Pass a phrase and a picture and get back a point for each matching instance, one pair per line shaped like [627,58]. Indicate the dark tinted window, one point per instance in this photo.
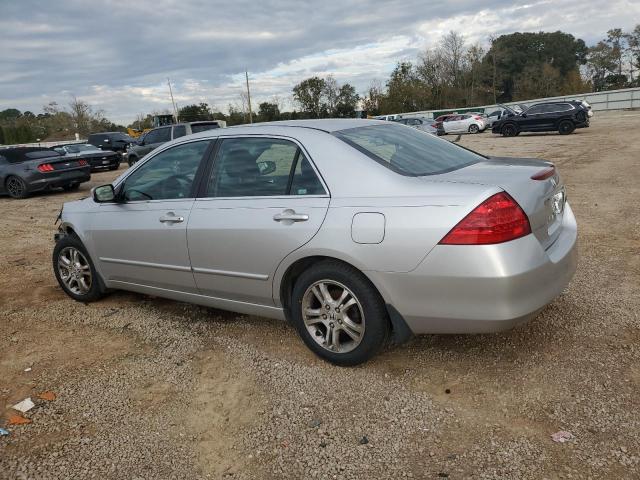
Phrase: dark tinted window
[536,109]
[159,135]
[168,175]
[179,131]
[201,127]
[250,167]
[408,151]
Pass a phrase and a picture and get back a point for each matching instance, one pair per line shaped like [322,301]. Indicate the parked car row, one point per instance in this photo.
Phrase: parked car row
[562,116]
[25,170]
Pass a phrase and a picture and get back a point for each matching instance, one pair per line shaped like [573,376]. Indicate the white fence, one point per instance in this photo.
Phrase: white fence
[625,98]
[44,144]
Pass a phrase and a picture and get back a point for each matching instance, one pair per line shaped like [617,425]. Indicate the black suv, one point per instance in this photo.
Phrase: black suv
[563,117]
[114,141]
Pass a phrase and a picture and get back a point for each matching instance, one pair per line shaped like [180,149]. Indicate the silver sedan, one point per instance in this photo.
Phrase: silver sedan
[358,232]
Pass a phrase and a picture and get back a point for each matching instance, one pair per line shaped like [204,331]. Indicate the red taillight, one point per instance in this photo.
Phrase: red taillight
[477,117]
[498,219]
[544,174]
[82,163]
[45,167]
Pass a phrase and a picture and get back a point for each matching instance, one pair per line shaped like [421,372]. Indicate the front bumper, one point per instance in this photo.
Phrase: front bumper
[484,288]
[59,179]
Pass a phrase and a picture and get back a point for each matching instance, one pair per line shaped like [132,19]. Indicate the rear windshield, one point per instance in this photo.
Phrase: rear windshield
[201,127]
[408,151]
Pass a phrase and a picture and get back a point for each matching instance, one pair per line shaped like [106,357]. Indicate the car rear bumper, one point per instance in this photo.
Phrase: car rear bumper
[59,179]
[487,288]
[108,161]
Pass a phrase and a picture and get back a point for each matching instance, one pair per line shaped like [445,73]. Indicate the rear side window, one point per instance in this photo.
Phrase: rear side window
[259,167]
[201,127]
[408,151]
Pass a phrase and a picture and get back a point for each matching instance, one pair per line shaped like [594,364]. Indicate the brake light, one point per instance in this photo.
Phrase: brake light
[82,163]
[477,117]
[545,173]
[496,220]
[45,167]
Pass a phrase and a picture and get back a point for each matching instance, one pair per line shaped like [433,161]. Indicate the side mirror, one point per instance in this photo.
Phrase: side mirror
[267,167]
[104,193]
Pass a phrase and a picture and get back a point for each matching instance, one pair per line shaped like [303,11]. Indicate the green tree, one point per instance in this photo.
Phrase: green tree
[309,94]
[195,112]
[346,102]
[268,112]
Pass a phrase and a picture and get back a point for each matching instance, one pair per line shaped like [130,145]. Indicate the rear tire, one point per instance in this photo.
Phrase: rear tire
[16,187]
[509,130]
[566,127]
[75,271]
[339,314]
[474,128]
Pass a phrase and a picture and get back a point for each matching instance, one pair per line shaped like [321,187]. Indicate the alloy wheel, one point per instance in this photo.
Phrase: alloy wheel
[15,187]
[333,316]
[74,270]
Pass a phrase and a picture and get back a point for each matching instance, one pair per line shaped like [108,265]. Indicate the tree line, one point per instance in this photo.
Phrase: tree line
[453,74]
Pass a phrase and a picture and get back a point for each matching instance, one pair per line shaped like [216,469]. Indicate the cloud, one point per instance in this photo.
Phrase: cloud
[118,54]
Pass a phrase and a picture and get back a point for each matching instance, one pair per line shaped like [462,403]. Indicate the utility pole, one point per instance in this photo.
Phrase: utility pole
[246,76]
[175,110]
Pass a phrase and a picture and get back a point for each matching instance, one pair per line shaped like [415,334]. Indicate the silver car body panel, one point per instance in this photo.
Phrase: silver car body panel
[229,253]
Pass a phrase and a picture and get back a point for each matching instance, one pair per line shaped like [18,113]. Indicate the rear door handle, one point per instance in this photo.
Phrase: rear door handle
[171,218]
[291,216]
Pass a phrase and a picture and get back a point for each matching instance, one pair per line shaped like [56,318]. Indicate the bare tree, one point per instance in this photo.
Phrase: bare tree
[331,93]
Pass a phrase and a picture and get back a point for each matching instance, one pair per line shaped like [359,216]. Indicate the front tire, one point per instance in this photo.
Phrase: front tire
[75,271]
[16,187]
[509,130]
[566,127]
[131,160]
[339,314]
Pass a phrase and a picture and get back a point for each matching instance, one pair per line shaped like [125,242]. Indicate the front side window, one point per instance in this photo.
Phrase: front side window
[160,135]
[256,167]
[168,175]
[408,151]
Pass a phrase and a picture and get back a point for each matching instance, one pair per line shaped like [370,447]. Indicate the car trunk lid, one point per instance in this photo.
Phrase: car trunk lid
[542,200]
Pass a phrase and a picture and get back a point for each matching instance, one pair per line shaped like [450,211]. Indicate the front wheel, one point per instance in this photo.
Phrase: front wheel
[131,160]
[339,314]
[75,271]
[566,127]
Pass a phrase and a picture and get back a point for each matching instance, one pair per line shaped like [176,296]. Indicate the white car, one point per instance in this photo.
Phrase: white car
[466,122]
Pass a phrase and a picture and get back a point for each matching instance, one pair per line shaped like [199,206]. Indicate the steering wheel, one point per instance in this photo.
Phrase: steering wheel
[176,184]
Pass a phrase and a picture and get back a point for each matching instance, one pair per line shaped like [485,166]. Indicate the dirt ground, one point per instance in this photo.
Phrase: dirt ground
[148,388]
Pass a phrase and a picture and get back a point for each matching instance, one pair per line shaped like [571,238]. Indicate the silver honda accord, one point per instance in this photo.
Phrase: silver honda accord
[358,232]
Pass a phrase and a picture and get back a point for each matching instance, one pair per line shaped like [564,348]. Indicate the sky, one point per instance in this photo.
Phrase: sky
[117,55]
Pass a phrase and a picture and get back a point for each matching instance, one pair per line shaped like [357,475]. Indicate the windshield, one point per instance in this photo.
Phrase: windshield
[79,148]
[408,151]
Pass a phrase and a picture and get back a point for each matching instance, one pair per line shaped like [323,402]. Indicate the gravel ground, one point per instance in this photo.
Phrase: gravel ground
[147,388]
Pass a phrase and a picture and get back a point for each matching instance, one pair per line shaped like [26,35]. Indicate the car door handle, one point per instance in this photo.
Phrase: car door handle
[290,215]
[171,218]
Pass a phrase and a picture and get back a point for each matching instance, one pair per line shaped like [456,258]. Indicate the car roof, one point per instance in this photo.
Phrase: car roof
[328,125]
